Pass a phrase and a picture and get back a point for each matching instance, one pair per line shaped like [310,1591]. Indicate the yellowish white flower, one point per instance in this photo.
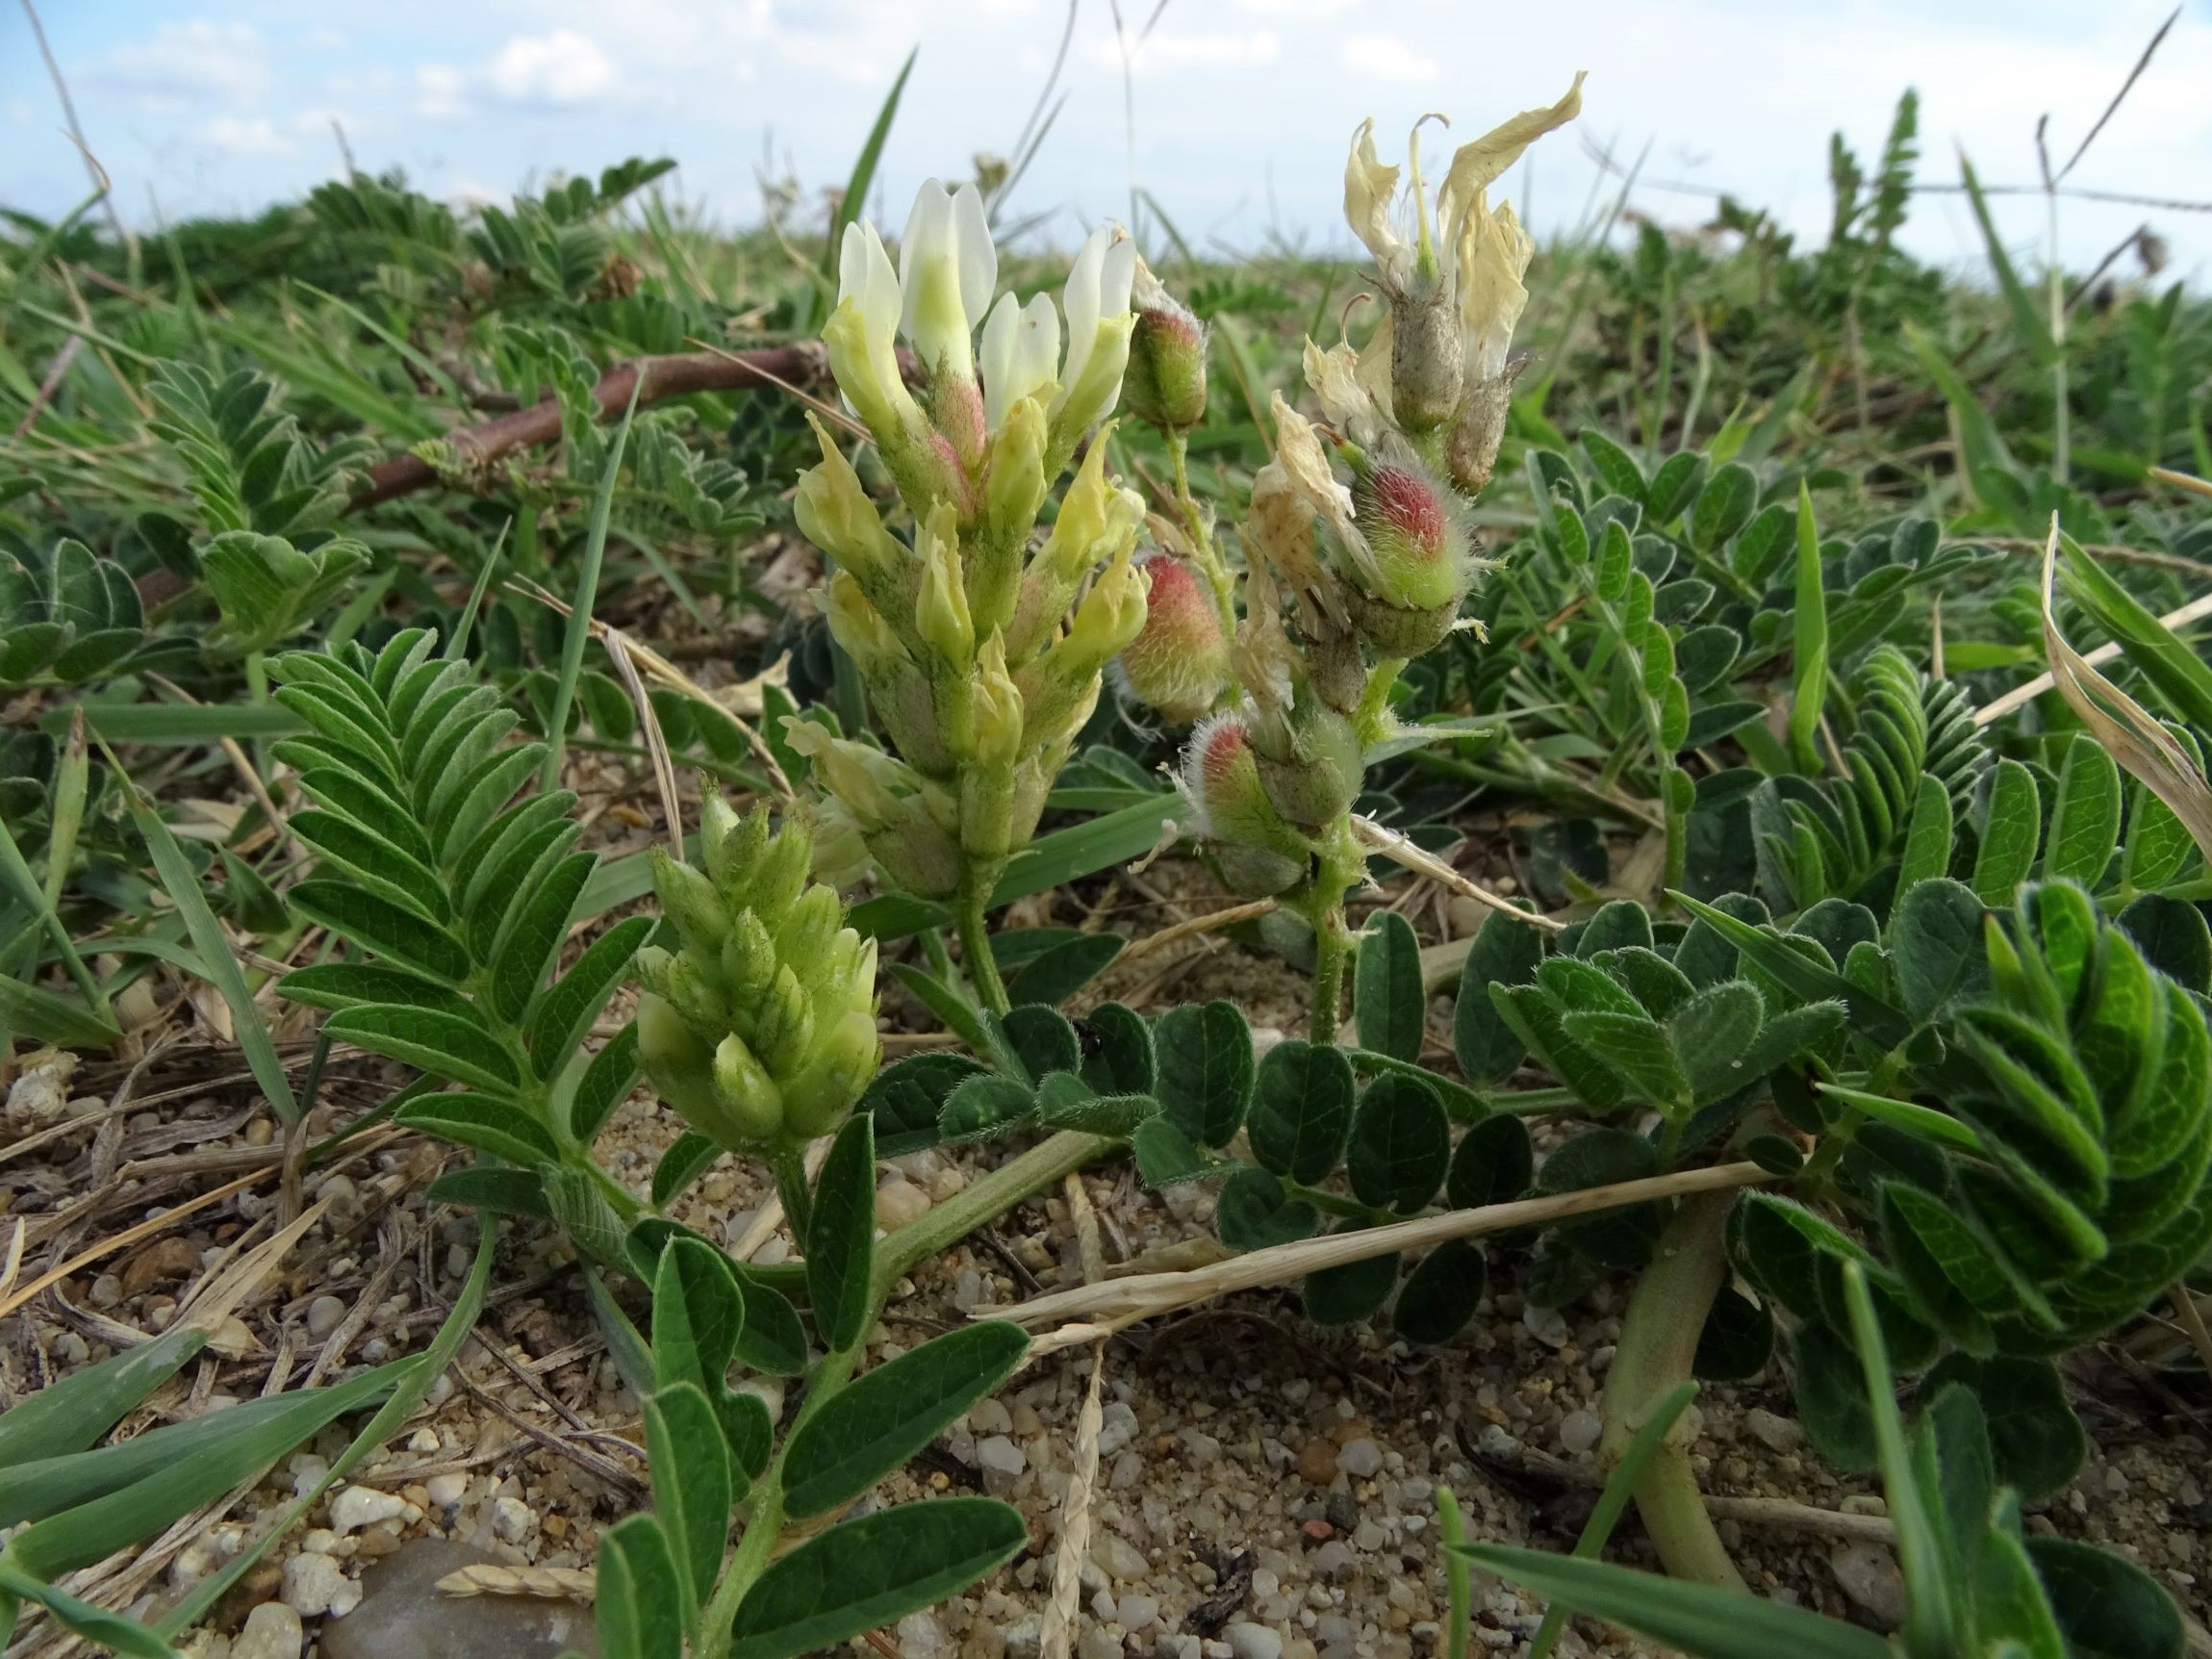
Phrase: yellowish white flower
[1096,299]
[948,268]
[1493,258]
[1021,354]
[863,336]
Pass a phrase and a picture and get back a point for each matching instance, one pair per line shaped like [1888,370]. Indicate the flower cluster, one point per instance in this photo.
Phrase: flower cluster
[760,1030]
[963,635]
[1361,551]
[1438,363]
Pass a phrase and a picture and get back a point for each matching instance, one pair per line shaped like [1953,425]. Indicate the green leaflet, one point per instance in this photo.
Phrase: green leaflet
[1388,1002]
[840,1237]
[881,1420]
[1302,1109]
[872,1572]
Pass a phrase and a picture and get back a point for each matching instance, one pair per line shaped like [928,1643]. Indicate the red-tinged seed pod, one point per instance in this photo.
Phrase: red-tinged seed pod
[1413,525]
[1177,664]
[1165,383]
[1260,854]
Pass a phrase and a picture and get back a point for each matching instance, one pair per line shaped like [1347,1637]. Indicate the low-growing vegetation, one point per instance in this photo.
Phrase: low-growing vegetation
[675,783]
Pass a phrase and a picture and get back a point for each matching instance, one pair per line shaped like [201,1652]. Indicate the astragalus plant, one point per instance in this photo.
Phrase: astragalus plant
[981,651]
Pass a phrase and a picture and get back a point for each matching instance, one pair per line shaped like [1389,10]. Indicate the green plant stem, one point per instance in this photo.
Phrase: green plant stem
[1658,1344]
[984,1201]
[1332,949]
[924,1236]
[975,942]
[791,1186]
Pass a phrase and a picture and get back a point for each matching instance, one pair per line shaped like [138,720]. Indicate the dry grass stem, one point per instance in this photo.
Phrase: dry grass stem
[1400,851]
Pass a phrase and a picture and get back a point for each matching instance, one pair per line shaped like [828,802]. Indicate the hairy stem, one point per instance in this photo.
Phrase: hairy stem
[1658,1343]
[975,942]
[984,1201]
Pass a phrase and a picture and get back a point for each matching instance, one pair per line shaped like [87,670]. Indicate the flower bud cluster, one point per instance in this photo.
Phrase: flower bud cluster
[982,653]
[760,1029]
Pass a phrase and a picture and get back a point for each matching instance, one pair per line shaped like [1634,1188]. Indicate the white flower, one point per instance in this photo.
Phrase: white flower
[1099,323]
[1021,351]
[863,334]
[946,271]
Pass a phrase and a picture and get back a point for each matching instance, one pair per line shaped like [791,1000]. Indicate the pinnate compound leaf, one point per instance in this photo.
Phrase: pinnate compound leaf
[2010,832]
[1302,1111]
[1206,1071]
[1255,1211]
[380,926]
[563,1015]
[1441,1294]
[699,1315]
[607,1079]
[2085,816]
[874,1570]
[1493,1164]
[2106,1607]
[1401,1144]
[907,1099]
[1713,1033]
[884,1416]
[1935,939]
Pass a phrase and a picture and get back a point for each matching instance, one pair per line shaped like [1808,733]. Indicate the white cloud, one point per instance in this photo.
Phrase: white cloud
[561,70]
[1388,58]
[1178,49]
[190,62]
[441,92]
[238,135]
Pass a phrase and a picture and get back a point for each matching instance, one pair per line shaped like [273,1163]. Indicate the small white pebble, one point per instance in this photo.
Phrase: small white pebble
[315,1584]
[446,1491]
[512,1519]
[272,1631]
[1579,1431]
[324,1314]
[358,1506]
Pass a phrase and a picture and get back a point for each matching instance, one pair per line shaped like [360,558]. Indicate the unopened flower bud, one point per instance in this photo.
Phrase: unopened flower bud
[1259,853]
[750,1107]
[748,959]
[837,1072]
[1165,384]
[690,901]
[997,707]
[678,1065]
[782,1023]
[780,876]
[1309,763]
[1178,664]
[1413,530]
[947,270]
[860,628]
[731,855]
[835,514]
[941,608]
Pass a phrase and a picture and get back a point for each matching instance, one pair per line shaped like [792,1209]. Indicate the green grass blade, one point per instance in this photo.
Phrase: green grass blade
[178,724]
[587,597]
[2182,678]
[406,1394]
[15,874]
[2027,318]
[1612,1502]
[183,887]
[68,1415]
[1697,1619]
[855,197]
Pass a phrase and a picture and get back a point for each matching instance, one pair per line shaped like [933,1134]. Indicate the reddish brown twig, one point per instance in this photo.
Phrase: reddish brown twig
[675,376]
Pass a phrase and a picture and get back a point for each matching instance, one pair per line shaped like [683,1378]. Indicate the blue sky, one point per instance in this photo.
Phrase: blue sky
[1243,108]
